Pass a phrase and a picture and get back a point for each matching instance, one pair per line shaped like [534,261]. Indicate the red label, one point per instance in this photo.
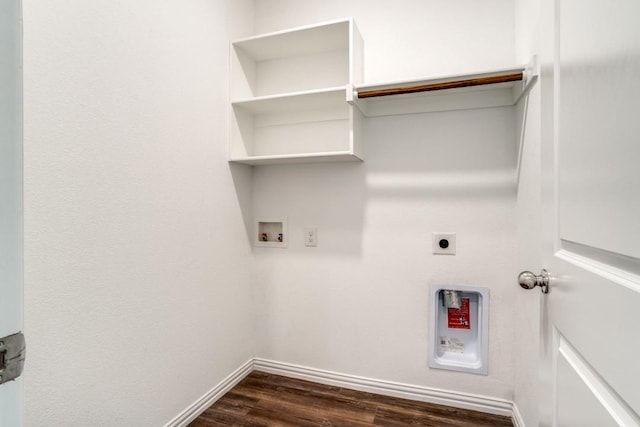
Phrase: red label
[458,318]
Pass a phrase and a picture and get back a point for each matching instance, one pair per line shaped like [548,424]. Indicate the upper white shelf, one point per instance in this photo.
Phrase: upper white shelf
[323,37]
[301,59]
[290,93]
[444,93]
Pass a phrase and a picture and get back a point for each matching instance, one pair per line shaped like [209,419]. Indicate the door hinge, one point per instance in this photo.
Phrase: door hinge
[13,350]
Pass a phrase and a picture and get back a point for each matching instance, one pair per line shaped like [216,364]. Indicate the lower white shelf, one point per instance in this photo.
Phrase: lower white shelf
[322,157]
[326,125]
[313,126]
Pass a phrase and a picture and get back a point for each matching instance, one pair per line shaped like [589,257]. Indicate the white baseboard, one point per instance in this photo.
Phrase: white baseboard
[210,397]
[407,391]
[516,417]
[455,399]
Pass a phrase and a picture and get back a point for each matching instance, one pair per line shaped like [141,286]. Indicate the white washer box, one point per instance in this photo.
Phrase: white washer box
[271,233]
[459,339]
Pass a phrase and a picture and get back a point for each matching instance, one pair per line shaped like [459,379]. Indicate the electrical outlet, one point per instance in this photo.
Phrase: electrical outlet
[311,236]
[444,243]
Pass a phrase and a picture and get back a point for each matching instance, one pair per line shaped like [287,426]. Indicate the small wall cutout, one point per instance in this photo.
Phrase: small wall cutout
[271,233]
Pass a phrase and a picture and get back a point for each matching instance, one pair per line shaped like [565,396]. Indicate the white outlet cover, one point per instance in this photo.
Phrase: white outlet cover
[311,236]
[450,239]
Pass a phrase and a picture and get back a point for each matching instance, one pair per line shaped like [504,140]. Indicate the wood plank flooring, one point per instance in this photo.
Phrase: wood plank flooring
[263,399]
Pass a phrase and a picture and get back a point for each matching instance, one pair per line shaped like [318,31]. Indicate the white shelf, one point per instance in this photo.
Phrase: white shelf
[324,37]
[296,95]
[477,96]
[301,59]
[295,102]
[316,134]
[289,92]
[324,157]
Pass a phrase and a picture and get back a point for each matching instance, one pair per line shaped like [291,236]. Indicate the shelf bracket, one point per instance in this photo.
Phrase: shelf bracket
[351,94]
[530,77]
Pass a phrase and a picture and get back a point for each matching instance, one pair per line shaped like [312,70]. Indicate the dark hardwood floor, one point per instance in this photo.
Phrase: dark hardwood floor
[271,400]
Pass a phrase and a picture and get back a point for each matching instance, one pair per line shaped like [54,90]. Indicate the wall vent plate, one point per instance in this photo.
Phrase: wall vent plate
[444,243]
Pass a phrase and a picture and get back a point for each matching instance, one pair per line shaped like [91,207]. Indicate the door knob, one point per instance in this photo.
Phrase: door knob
[528,280]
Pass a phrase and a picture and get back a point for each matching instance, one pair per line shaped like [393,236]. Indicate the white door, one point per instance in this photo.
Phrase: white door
[10,195]
[590,77]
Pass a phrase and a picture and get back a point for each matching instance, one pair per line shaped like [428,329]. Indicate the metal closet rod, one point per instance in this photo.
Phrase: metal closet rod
[502,78]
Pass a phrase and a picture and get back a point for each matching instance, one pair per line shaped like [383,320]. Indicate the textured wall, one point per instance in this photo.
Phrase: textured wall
[358,303]
[136,283]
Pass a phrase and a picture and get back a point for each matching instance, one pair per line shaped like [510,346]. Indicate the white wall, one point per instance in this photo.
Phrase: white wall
[527,317]
[137,266]
[358,303]
[407,39]
[137,292]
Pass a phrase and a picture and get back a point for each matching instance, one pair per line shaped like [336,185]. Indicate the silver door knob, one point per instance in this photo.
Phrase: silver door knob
[528,280]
